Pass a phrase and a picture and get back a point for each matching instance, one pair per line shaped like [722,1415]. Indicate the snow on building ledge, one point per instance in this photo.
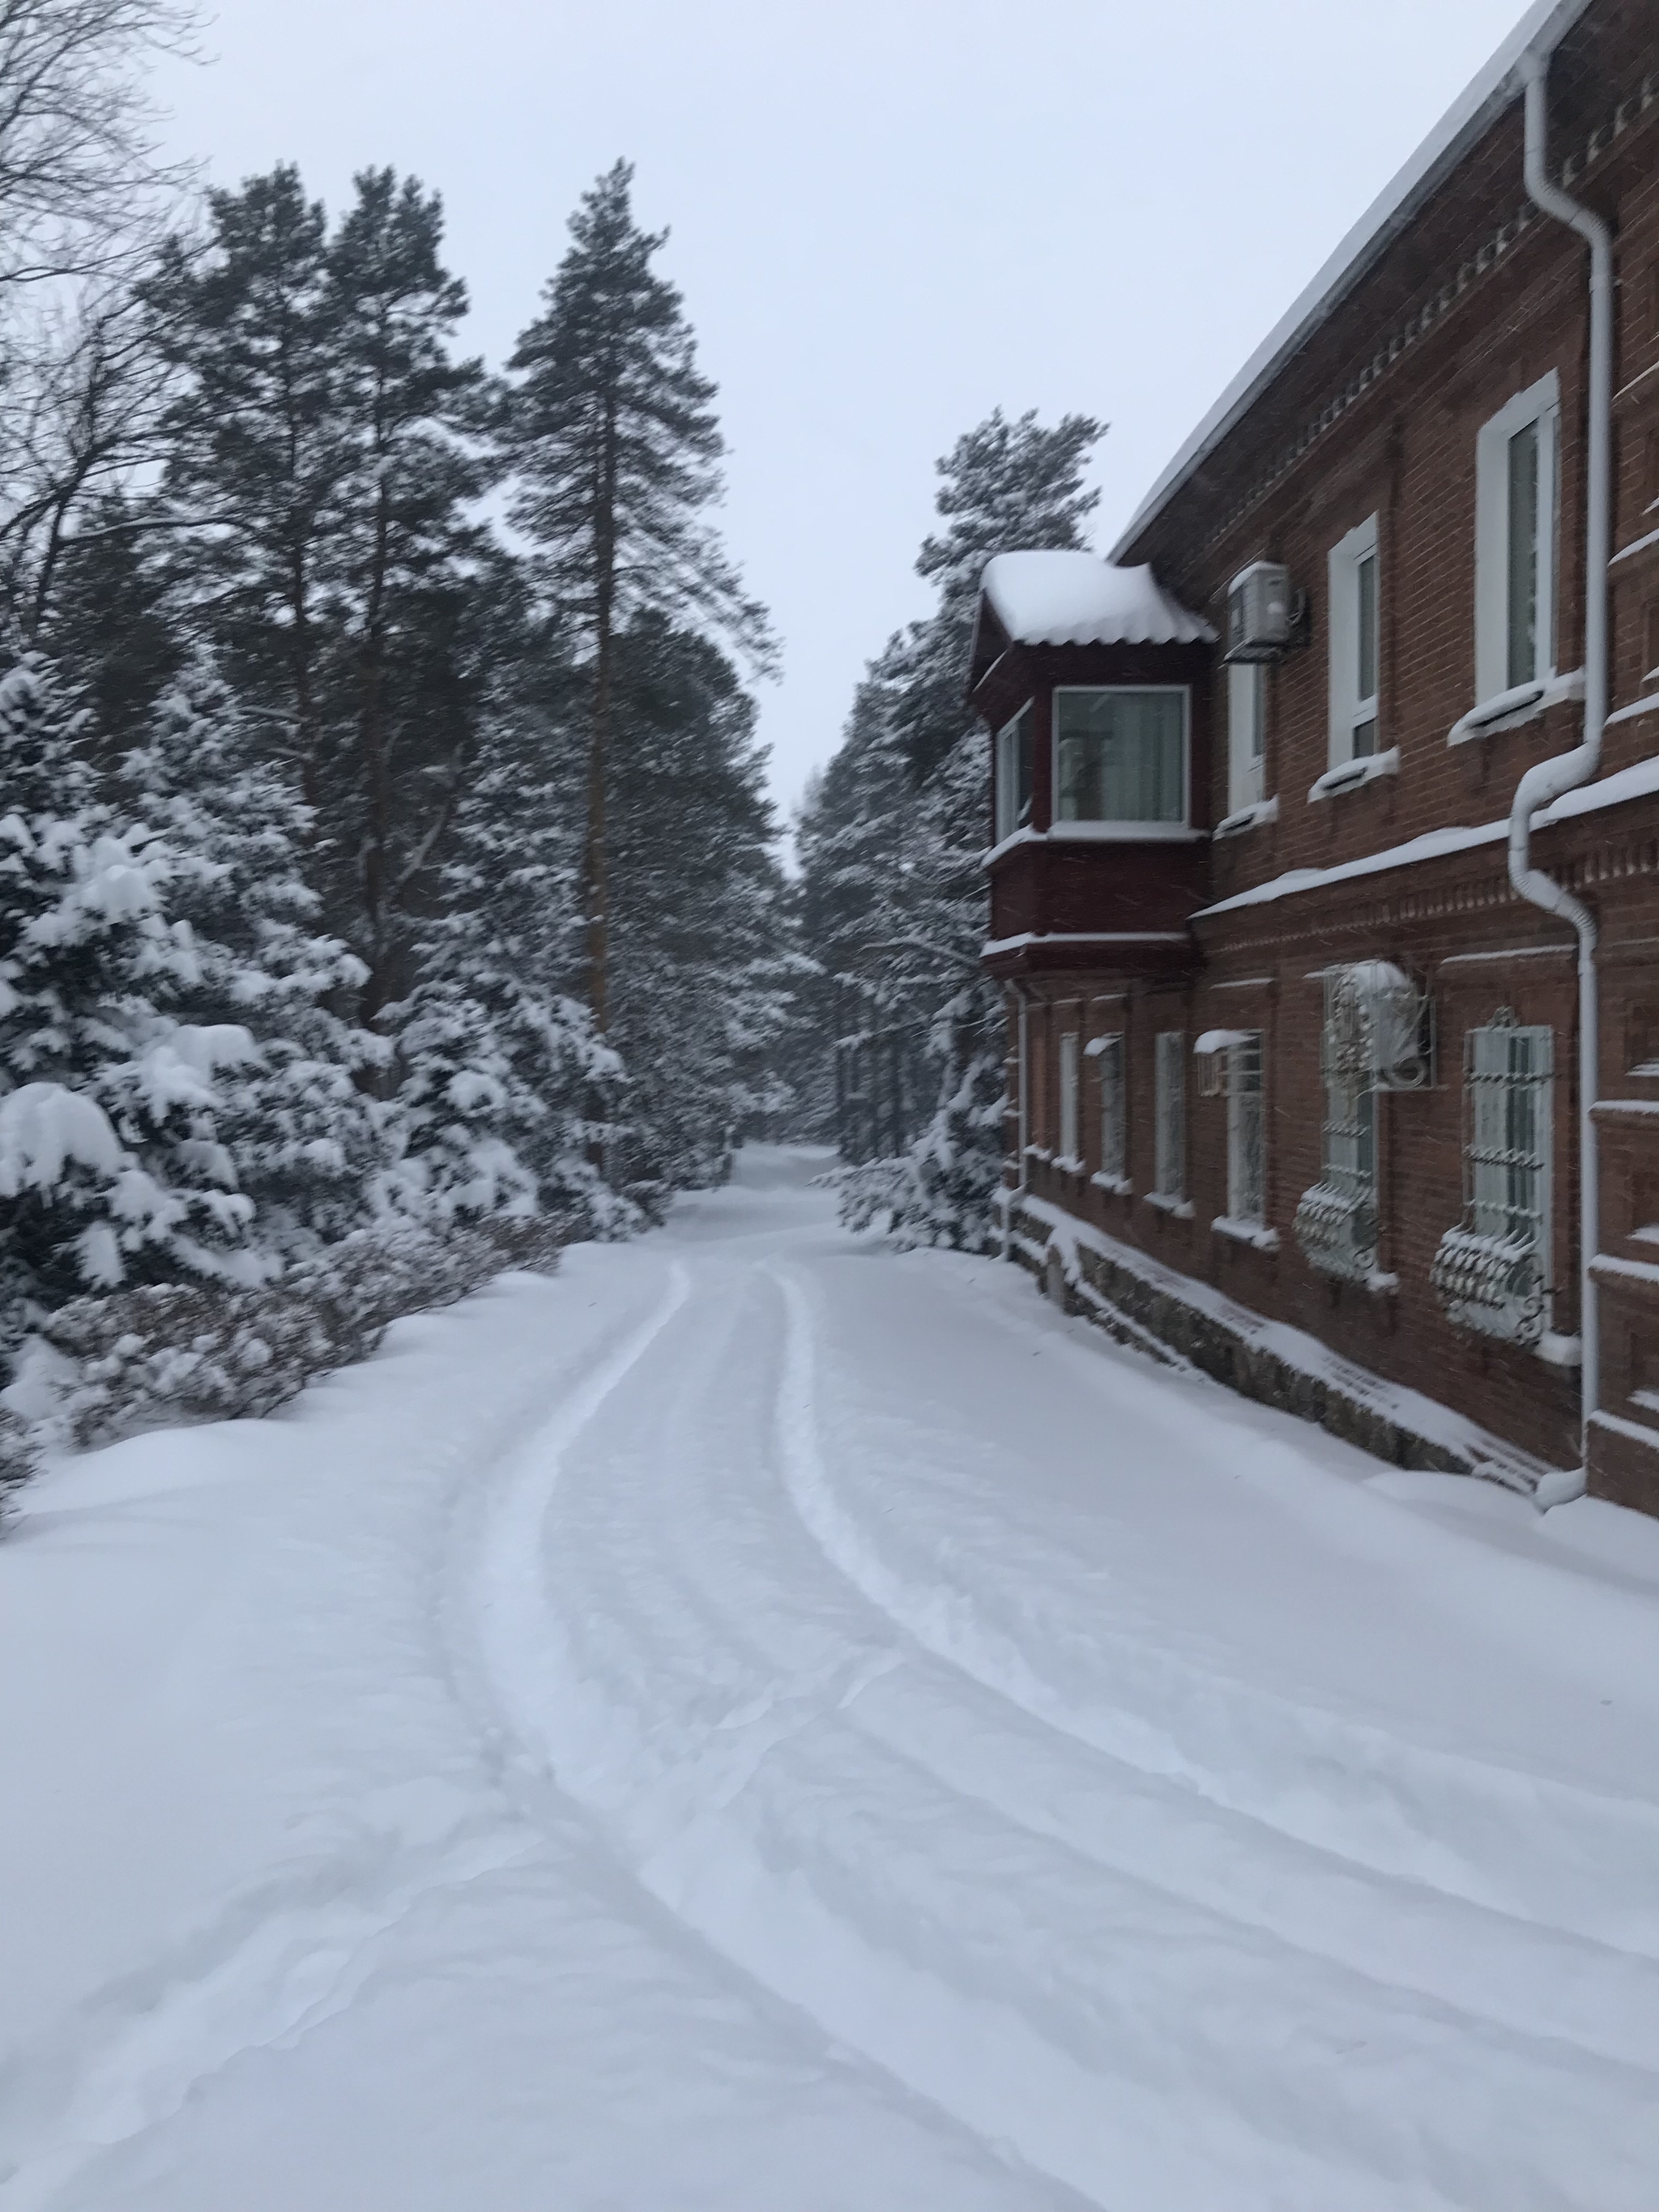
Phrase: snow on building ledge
[1076,599]
[1191,1325]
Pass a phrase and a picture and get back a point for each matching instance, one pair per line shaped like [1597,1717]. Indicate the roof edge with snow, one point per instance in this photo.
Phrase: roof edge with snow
[1077,599]
[1467,118]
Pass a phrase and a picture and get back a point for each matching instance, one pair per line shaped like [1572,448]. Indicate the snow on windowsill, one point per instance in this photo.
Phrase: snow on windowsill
[1636,545]
[1626,1105]
[1381,1284]
[1126,833]
[1630,1271]
[1067,1164]
[1039,1152]
[1026,836]
[1178,1209]
[1354,774]
[1247,817]
[1636,707]
[1120,1185]
[1521,702]
[1246,1232]
[1558,1350]
[1636,1432]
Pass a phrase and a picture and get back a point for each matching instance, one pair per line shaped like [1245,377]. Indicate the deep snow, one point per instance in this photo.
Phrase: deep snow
[759,1723]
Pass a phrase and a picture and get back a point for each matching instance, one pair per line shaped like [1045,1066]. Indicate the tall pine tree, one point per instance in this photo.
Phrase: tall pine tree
[893,900]
[613,436]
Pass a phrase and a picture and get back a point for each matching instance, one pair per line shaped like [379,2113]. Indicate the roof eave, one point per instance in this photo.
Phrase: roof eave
[1470,116]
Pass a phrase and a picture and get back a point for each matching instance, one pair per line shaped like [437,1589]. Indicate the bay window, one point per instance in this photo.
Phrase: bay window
[1013,774]
[1121,756]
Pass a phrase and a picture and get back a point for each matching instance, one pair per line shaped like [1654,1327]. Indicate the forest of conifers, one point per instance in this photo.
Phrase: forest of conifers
[385,853]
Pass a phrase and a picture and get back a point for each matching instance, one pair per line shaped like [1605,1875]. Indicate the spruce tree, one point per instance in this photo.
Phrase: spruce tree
[112,1167]
[304,1140]
[612,432]
[324,455]
[894,902]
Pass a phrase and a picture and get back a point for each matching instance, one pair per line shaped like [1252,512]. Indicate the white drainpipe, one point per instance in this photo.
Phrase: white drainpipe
[1549,779]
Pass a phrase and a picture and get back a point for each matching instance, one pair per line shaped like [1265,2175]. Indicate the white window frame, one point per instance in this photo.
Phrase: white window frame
[1247,734]
[1539,405]
[1109,1056]
[1009,811]
[1247,1131]
[1124,829]
[1071,1084]
[1351,710]
[1169,1115]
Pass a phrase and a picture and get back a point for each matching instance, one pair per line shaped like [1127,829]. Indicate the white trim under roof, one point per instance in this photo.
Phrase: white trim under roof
[1464,121]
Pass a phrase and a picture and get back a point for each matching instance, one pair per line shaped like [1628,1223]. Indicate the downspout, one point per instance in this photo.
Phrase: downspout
[1023,1131]
[1548,779]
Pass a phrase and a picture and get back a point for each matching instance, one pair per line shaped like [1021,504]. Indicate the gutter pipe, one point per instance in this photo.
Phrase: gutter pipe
[1548,779]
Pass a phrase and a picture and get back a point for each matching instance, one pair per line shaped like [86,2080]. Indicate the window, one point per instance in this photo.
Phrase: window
[1247,1165]
[1355,629]
[1515,542]
[1491,1272]
[1121,756]
[1170,1080]
[1336,1222]
[1108,1053]
[1068,1090]
[1247,717]
[1014,774]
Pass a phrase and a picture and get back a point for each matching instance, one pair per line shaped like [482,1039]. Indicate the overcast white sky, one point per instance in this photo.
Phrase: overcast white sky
[886,219]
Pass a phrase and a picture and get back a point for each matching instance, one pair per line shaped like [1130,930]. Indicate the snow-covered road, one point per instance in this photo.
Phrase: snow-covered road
[757,1722]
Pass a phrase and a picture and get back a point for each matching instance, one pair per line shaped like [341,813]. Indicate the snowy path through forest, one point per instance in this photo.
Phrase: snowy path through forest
[758,1722]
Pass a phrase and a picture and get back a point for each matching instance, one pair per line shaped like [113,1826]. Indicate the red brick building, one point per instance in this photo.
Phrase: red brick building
[1298,991]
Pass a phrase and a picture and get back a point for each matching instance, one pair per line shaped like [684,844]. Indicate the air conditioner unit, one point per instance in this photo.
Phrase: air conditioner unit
[1261,612]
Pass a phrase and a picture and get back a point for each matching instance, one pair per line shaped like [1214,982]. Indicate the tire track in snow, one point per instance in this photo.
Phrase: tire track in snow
[276,1959]
[1531,1827]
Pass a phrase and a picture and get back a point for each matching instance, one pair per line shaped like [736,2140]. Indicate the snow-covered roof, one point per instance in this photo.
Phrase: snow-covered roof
[1468,117]
[1076,599]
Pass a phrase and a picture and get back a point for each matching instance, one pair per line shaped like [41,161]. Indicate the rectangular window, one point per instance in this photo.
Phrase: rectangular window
[1170,1080]
[1247,1133]
[1510,1072]
[1121,756]
[1247,717]
[1108,1053]
[1491,1272]
[1336,1220]
[1515,542]
[1069,1077]
[1013,774]
[1355,649]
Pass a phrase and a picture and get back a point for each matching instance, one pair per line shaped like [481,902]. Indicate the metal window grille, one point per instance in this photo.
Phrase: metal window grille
[1491,1272]
[1170,1087]
[1068,1095]
[1114,1107]
[1336,1222]
[1247,1165]
[1508,1073]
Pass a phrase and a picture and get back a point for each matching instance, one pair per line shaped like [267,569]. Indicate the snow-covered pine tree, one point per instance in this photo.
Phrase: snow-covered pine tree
[112,1169]
[323,459]
[305,1141]
[1005,486]
[613,437]
[702,970]
[502,1069]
